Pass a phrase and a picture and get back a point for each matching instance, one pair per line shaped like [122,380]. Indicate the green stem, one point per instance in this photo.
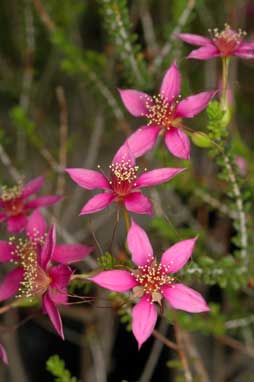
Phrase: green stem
[225,71]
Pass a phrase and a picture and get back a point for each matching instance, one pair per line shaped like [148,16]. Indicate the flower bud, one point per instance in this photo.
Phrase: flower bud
[200,139]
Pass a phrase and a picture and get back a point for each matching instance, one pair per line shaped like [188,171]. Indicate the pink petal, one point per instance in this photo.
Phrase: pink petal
[6,251]
[245,50]
[3,355]
[124,154]
[171,83]
[16,224]
[36,225]
[193,105]
[97,203]
[135,101]
[205,52]
[71,253]
[60,276]
[43,201]
[51,309]
[88,179]
[177,256]
[181,297]
[144,317]
[49,247]
[115,280]
[2,217]
[178,143]
[194,39]
[142,140]
[33,186]
[138,203]
[161,175]
[10,285]
[139,245]
[59,298]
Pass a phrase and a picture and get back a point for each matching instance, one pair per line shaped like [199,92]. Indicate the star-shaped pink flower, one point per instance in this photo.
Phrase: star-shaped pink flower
[164,112]
[15,206]
[152,281]
[35,275]
[123,185]
[226,43]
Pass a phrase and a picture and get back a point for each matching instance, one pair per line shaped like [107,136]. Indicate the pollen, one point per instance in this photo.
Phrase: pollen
[124,171]
[161,112]
[35,280]
[123,176]
[10,193]
[227,40]
[152,277]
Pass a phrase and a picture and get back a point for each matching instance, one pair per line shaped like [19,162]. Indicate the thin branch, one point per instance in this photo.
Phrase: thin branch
[90,159]
[165,340]
[240,211]
[108,96]
[215,203]
[63,135]
[27,78]
[167,47]
[181,353]
[195,357]
[154,355]
[240,322]
[148,28]
[5,159]
[237,345]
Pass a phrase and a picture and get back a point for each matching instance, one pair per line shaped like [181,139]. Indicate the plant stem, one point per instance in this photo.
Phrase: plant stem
[225,67]
[126,219]
[181,353]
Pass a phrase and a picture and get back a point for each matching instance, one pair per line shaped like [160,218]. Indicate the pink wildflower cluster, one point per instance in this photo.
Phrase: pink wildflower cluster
[41,269]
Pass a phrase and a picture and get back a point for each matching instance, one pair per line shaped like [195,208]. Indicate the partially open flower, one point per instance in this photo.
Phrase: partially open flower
[152,281]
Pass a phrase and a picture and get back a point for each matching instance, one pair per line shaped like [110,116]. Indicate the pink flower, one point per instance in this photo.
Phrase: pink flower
[224,44]
[3,355]
[35,275]
[15,205]
[152,281]
[164,112]
[123,185]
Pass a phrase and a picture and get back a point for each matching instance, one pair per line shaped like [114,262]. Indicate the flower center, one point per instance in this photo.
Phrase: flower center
[227,40]
[35,280]
[123,176]
[151,278]
[12,199]
[161,112]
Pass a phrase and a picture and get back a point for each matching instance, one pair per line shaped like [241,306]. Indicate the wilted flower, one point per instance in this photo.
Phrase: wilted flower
[122,186]
[152,281]
[225,43]
[15,206]
[35,275]
[164,112]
